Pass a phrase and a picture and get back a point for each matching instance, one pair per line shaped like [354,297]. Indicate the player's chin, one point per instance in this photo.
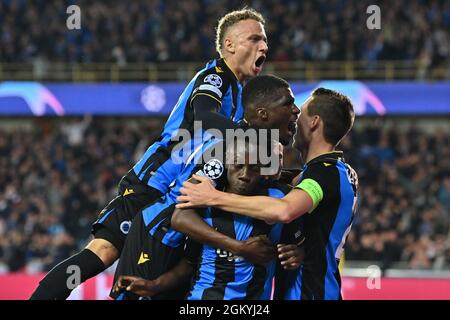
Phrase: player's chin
[286,139]
[297,144]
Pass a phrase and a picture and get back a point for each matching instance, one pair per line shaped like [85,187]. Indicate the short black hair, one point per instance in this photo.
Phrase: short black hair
[336,112]
[261,89]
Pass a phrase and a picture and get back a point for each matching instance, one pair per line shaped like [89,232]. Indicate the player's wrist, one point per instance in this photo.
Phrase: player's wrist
[236,247]
[217,199]
[155,285]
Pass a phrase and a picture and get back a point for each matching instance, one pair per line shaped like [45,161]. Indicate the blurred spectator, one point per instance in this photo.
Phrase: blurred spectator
[403,210]
[171,30]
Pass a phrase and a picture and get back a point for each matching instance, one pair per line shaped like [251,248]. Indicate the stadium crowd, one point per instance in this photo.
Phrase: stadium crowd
[156,30]
[57,174]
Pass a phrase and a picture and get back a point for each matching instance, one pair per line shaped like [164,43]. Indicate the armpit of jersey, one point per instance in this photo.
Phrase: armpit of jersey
[313,189]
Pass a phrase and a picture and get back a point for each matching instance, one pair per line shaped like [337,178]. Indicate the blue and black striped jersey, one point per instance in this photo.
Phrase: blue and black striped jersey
[156,168]
[326,228]
[222,276]
[157,216]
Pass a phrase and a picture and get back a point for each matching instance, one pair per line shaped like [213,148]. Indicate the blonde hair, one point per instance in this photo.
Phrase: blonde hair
[230,19]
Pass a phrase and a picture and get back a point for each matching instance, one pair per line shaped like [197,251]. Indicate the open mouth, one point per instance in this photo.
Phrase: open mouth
[259,62]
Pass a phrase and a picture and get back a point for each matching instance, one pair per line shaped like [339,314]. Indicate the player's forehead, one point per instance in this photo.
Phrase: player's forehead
[247,28]
[280,97]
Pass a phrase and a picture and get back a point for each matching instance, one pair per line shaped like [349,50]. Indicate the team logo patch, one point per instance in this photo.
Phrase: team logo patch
[125,226]
[213,79]
[213,169]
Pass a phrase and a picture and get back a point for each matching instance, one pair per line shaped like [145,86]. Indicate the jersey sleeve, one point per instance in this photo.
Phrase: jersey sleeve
[313,183]
[293,232]
[213,84]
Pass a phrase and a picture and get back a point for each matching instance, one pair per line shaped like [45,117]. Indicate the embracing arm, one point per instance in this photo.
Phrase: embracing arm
[191,224]
[258,250]
[205,110]
[293,205]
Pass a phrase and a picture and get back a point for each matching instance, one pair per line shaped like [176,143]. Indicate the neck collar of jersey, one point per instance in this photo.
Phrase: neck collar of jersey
[228,67]
[329,156]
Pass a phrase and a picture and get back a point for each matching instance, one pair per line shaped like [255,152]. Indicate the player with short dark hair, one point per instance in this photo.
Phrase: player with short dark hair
[213,97]
[220,274]
[325,196]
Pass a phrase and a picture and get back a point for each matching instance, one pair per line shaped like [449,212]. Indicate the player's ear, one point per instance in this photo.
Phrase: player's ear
[229,45]
[262,113]
[314,122]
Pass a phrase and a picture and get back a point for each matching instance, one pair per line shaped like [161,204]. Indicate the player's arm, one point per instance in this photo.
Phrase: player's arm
[304,198]
[181,273]
[208,93]
[258,250]
[205,110]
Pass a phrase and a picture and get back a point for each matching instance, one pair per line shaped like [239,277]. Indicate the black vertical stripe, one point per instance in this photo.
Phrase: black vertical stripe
[255,287]
[318,227]
[224,270]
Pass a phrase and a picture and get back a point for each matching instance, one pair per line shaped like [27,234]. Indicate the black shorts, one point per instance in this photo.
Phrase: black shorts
[114,221]
[146,257]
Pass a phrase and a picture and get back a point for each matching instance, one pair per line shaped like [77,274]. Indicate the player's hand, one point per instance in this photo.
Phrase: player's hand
[196,195]
[136,285]
[257,250]
[291,256]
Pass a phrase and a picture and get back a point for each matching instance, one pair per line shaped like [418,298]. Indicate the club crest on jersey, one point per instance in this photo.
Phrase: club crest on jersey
[125,226]
[213,169]
[213,79]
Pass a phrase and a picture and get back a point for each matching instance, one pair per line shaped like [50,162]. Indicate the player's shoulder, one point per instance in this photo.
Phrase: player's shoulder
[322,164]
[216,73]
[276,188]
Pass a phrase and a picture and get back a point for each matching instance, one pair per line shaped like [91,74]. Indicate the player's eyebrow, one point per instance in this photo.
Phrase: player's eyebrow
[259,37]
[290,100]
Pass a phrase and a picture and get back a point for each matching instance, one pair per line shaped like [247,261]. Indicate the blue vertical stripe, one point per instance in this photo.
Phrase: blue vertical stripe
[206,274]
[274,236]
[237,289]
[294,292]
[206,267]
[227,103]
[342,221]
[239,115]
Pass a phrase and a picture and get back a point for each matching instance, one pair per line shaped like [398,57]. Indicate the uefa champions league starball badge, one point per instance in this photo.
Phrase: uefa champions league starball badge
[213,169]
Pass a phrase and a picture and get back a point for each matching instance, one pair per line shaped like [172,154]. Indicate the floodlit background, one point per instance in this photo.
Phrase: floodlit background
[79,107]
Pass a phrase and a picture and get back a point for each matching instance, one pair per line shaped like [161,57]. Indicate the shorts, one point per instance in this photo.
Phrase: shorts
[146,257]
[114,221]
